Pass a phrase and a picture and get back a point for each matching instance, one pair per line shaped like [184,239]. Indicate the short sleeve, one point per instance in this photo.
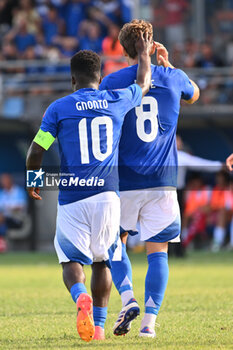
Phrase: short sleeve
[186,87]
[49,121]
[129,97]
[134,94]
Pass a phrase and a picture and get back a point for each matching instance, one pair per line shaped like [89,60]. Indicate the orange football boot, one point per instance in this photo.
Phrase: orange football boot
[85,322]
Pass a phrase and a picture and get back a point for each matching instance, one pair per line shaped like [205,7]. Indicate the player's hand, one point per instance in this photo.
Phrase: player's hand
[162,55]
[33,192]
[229,162]
[144,43]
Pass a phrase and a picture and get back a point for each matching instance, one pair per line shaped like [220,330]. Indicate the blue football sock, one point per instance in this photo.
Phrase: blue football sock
[122,272]
[99,315]
[156,281]
[76,290]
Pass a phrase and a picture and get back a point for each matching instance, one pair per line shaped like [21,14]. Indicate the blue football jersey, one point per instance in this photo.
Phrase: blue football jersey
[147,151]
[88,126]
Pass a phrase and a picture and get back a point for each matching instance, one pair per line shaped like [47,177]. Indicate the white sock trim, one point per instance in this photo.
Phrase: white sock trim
[148,321]
[126,296]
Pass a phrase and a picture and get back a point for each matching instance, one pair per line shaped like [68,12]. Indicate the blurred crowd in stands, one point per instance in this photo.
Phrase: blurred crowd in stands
[207,214]
[175,25]
[55,29]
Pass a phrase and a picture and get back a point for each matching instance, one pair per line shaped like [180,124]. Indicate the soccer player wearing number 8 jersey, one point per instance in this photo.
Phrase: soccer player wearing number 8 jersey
[148,171]
[88,126]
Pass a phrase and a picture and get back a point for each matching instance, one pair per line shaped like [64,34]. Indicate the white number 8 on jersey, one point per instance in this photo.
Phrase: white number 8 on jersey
[150,115]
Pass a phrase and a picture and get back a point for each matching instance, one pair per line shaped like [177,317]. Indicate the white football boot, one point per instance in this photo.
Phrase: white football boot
[128,313]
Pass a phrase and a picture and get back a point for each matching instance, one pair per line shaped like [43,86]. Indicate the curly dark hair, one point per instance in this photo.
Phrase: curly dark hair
[86,65]
[130,32]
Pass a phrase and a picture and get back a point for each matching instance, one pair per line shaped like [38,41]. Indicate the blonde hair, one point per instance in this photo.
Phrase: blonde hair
[130,32]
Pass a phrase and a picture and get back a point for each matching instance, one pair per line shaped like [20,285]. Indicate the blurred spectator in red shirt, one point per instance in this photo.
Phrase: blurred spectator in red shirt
[196,209]
[111,47]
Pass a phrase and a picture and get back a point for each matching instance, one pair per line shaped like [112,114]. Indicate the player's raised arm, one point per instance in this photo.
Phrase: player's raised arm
[143,48]
[163,60]
[162,55]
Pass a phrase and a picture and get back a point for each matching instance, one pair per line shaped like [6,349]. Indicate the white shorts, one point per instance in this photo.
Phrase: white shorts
[88,230]
[156,210]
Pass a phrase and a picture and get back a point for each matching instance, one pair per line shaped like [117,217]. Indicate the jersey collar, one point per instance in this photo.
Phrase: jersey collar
[86,90]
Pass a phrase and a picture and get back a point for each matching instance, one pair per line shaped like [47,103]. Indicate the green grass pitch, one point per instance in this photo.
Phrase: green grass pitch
[36,311]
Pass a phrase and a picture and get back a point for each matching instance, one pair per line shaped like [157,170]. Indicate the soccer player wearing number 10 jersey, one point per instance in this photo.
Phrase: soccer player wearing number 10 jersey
[148,171]
[88,125]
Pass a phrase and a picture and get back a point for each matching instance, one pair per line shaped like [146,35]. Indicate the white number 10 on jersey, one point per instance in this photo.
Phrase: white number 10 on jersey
[150,115]
[95,137]
[142,116]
